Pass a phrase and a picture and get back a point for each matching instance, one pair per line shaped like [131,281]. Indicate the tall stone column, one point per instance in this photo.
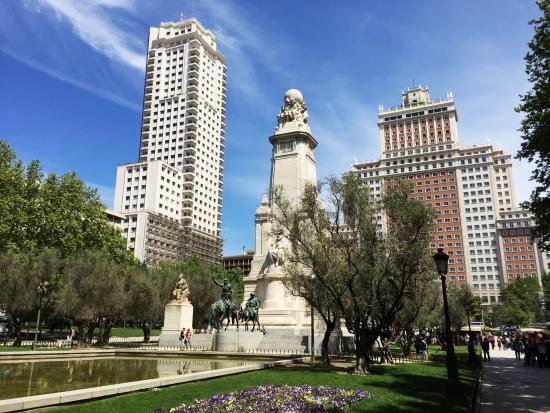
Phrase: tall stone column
[292,166]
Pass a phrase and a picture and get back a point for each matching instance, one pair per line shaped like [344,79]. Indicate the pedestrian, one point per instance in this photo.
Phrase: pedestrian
[485,349]
[423,349]
[182,336]
[472,357]
[417,346]
[492,341]
[518,348]
[541,351]
[188,338]
[499,343]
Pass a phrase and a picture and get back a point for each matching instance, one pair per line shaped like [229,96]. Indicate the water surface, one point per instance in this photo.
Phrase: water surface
[28,378]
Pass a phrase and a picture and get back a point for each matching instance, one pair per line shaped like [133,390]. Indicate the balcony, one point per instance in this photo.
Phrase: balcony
[193,74]
[192,119]
[190,150]
[188,176]
[192,81]
[189,158]
[189,167]
[194,58]
[193,66]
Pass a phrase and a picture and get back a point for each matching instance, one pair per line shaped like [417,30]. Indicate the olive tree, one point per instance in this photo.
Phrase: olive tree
[369,274]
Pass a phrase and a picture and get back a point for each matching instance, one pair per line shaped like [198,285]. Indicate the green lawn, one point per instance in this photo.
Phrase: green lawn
[412,388]
[131,332]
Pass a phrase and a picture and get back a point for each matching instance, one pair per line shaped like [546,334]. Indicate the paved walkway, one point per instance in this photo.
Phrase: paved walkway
[509,386]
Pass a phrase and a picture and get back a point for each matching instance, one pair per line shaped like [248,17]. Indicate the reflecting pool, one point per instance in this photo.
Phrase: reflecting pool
[28,378]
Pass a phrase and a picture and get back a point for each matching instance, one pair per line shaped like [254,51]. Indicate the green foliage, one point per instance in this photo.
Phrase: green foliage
[20,275]
[58,212]
[92,292]
[143,298]
[535,127]
[546,294]
[367,274]
[463,305]
[522,302]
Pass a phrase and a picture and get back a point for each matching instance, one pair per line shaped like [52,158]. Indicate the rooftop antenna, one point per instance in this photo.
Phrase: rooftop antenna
[181,16]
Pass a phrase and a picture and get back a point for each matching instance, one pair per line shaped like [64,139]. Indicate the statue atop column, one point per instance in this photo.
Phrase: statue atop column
[293,115]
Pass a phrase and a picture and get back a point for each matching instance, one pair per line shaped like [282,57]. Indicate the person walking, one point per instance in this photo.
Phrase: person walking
[182,337]
[423,349]
[485,348]
[188,338]
[518,348]
[472,357]
[499,343]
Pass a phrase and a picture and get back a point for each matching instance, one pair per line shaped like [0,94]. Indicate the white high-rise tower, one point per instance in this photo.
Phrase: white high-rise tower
[173,196]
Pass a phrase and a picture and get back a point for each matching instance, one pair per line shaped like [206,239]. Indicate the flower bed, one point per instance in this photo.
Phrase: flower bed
[278,399]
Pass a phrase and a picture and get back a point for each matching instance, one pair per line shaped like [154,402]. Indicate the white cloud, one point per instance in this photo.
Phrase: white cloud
[91,22]
[106,193]
[93,89]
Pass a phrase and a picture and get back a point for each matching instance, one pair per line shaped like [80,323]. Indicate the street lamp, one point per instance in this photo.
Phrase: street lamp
[453,381]
[42,289]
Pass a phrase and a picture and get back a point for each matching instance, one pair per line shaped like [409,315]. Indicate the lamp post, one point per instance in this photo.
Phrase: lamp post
[453,381]
[42,289]
[312,335]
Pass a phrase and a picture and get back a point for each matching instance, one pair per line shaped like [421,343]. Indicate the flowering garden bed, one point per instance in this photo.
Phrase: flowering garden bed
[278,399]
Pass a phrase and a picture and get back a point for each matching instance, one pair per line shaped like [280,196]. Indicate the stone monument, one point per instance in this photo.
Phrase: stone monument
[178,315]
[292,166]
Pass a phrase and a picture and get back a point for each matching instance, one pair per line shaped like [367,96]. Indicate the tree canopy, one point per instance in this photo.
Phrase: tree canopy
[535,126]
[58,212]
[336,235]
[522,302]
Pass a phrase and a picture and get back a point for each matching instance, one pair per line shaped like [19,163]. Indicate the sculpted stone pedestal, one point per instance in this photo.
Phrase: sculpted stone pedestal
[177,316]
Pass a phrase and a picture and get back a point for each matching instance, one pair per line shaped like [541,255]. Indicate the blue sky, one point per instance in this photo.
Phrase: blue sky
[72,72]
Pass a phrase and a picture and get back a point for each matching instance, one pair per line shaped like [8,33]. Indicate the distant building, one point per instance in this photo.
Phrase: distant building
[172,197]
[470,188]
[243,262]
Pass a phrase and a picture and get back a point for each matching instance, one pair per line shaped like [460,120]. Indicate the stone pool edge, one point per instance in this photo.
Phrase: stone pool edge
[52,399]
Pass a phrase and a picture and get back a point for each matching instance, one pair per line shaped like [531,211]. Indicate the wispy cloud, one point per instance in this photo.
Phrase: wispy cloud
[92,22]
[106,193]
[113,97]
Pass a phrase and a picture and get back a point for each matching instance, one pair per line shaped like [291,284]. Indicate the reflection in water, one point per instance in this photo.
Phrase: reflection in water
[28,378]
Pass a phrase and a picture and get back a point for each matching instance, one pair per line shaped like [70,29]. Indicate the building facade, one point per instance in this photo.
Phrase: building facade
[470,189]
[173,195]
[244,262]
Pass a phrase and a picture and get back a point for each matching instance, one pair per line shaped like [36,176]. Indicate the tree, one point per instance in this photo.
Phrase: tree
[420,315]
[58,212]
[522,302]
[546,294]
[368,274]
[535,126]
[465,305]
[143,301]
[92,294]
[20,275]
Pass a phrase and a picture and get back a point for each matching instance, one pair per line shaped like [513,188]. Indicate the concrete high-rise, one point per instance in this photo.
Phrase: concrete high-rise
[173,195]
[470,189]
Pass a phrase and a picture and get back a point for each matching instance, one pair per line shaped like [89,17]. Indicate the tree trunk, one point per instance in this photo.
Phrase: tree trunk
[106,335]
[90,333]
[363,347]
[325,358]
